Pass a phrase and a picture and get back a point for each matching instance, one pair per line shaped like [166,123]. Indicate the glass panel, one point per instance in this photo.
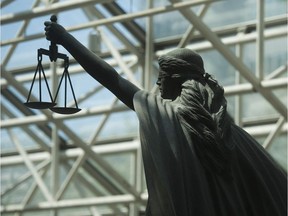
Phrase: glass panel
[233,11]
[278,149]
[216,65]
[10,176]
[119,125]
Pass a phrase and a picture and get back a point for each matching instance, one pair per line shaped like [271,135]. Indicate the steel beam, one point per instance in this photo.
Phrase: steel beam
[268,141]
[71,203]
[260,40]
[149,50]
[280,70]
[40,119]
[245,88]
[259,131]
[238,80]
[4,3]
[191,30]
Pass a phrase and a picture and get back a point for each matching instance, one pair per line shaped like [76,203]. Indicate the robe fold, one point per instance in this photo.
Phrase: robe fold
[179,185]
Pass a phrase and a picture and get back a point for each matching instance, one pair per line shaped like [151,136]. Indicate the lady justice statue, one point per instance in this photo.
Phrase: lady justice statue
[196,160]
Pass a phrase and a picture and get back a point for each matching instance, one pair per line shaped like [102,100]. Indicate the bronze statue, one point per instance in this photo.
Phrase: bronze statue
[196,160]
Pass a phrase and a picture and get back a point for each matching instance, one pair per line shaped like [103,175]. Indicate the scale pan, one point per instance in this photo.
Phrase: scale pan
[39,105]
[65,110]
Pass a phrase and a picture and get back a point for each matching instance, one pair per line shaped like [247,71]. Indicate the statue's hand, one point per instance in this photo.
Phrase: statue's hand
[54,32]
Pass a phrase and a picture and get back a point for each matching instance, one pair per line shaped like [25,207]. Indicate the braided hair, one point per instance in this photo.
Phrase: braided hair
[202,108]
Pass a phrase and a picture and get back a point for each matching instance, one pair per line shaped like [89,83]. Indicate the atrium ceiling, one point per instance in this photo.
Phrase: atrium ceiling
[90,161]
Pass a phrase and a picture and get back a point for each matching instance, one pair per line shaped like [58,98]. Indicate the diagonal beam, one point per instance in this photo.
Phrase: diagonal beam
[79,161]
[13,99]
[268,141]
[130,25]
[234,60]
[280,70]
[27,130]
[190,31]
[31,167]
[92,188]
[117,56]
[98,159]
[33,188]
[24,177]
[108,183]
[4,3]
[20,32]
[93,210]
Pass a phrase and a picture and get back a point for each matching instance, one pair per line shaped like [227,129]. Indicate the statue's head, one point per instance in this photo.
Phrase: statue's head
[182,62]
[176,67]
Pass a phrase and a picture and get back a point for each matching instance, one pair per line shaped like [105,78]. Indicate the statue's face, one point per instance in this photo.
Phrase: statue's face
[167,86]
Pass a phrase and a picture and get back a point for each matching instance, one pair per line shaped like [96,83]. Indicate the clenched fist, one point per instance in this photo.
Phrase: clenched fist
[55,32]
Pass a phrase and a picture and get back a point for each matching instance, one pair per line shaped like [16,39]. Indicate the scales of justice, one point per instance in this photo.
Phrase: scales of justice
[53,56]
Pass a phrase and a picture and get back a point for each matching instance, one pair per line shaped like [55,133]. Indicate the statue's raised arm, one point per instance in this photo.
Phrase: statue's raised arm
[92,64]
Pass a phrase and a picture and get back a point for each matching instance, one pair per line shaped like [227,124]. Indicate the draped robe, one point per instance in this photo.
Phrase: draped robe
[179,185]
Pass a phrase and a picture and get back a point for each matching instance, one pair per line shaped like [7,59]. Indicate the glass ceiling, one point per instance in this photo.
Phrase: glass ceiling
[105,125]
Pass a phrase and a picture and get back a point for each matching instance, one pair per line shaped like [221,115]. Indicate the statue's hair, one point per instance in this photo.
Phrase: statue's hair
[202,109]
[185,58]
[202,112]
[179,68]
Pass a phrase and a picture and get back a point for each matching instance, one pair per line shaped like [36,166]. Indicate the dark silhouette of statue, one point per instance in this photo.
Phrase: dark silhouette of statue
[196,160]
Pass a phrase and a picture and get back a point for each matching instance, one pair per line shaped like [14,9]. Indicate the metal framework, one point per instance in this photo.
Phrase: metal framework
[84,160]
